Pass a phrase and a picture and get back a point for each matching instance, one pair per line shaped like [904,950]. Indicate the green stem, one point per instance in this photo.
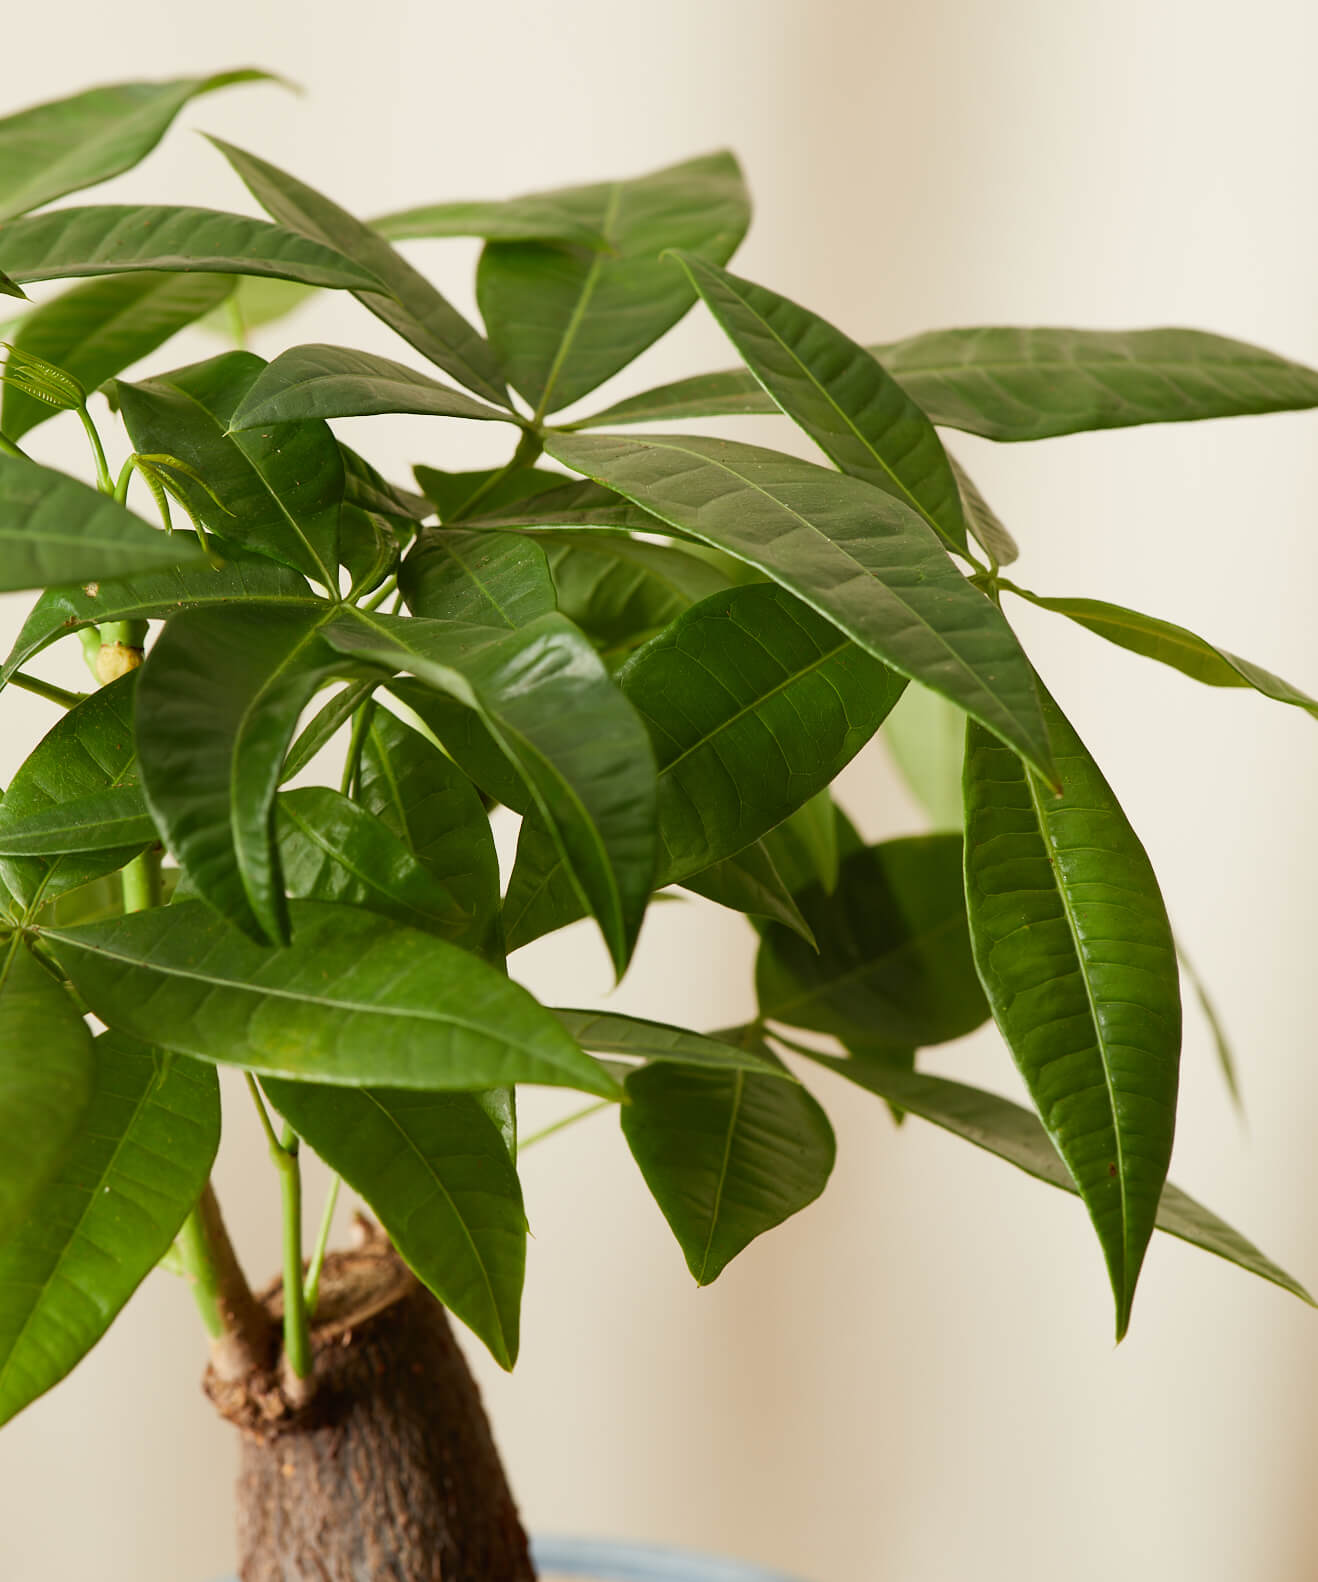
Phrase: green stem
[568,1120]
[45,689]
[311,1286]
[528,450]
[104,482]
[122,482]
[194,1250]
[284,1153]
[141,883]
[380,594]
[352,763]
[236,1321]
[10,449]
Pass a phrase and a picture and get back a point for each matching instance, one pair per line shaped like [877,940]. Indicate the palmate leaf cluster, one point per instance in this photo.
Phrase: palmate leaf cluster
[658,649]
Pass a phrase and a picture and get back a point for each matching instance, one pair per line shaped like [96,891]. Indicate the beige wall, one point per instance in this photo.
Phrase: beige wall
[915,1380]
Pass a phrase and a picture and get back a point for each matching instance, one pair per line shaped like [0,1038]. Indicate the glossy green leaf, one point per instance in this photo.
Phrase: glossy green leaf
[54,530]
[863,560]
[1172,645]
[1073,945]
[355,999]
[634,1038]
[536,218]
[857,414]
[66,144]
[1012,1133]
[335,381]
[726,1154]
[280,490]
[481,578]
[45,1080]
[324,725]
[220,696]
[95,330]
[926,736]
[115,817]
[86,753]
[408,303]
[240,578]
[894,963]
[424,798]
[436,1170]
[330,849]
[368,550]
[986,526]
[137,1164]
[563,318]
[118,238]
[578,745]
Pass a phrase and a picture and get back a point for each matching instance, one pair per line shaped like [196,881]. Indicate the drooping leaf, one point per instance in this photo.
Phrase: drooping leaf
[1226,1060]
[118,238]
[86,753]
[563,318]
[634,1038]
[115,817]
[240,578]
[137,1164]
[54,529]
[857,414]
[66,144]
[436,1170]
[95,330]
[408,303]
[986,526]
[45,1080]
[894,963]
[10,288]
[863,560]
[280,489]
[324,725]
[926,736]
[480,578]
[1076,955]
[726,1154]
[355,999]
[1012,1133]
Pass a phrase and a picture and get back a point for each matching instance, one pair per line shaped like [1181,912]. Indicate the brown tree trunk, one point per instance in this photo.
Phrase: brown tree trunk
[386,1472]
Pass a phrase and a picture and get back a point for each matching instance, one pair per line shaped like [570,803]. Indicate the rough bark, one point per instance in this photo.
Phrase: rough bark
[388,1472]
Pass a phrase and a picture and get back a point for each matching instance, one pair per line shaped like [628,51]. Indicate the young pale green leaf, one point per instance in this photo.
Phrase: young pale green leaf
[280,490]
[1076,955]
[857,414]
[480,578]
[926,736]
[335,381]
[403,299]
[240,578]
[421,795]
[436,1170]
[1000,1127]
[356,999]
[95,330]
[118,238]
[562,319]
[114,817]
[578,745]
[726,1154]
[754,704]
[54,529]
[894,962]
[85,754]
[67,144]
[330,849]
[45,1080]
[609,1033]
[986,526]
[1172,645]
[537,218]
[862,559]
[136,1166]
[220,696]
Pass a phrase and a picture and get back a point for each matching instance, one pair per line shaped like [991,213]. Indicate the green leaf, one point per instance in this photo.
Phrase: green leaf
[66,144]
[726,1154]
[1073,945]
[857,414]
[115,817]
[367,489]
[986,527]
[335,381]
[1012,1133]
[1172,645]
[324,725]
[813,827]
[926,736]
[894,963]
[481,578]
[563,318]
[574,506]
[95,330]
[1226,1060]
[355,999]
[453,494]
[408,303]
[54,529]
[115,238]
[754,704]
[609,1033]
[137,1164]
[241,578]
[45,1080]
[436,1170]
[583,754]
[281,490]
[86,753]
[863,560]
[734,393]
[537,218]
[220,696]
[9,289]
[332,850]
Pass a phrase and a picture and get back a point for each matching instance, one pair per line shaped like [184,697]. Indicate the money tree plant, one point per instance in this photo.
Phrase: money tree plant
[658,649]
